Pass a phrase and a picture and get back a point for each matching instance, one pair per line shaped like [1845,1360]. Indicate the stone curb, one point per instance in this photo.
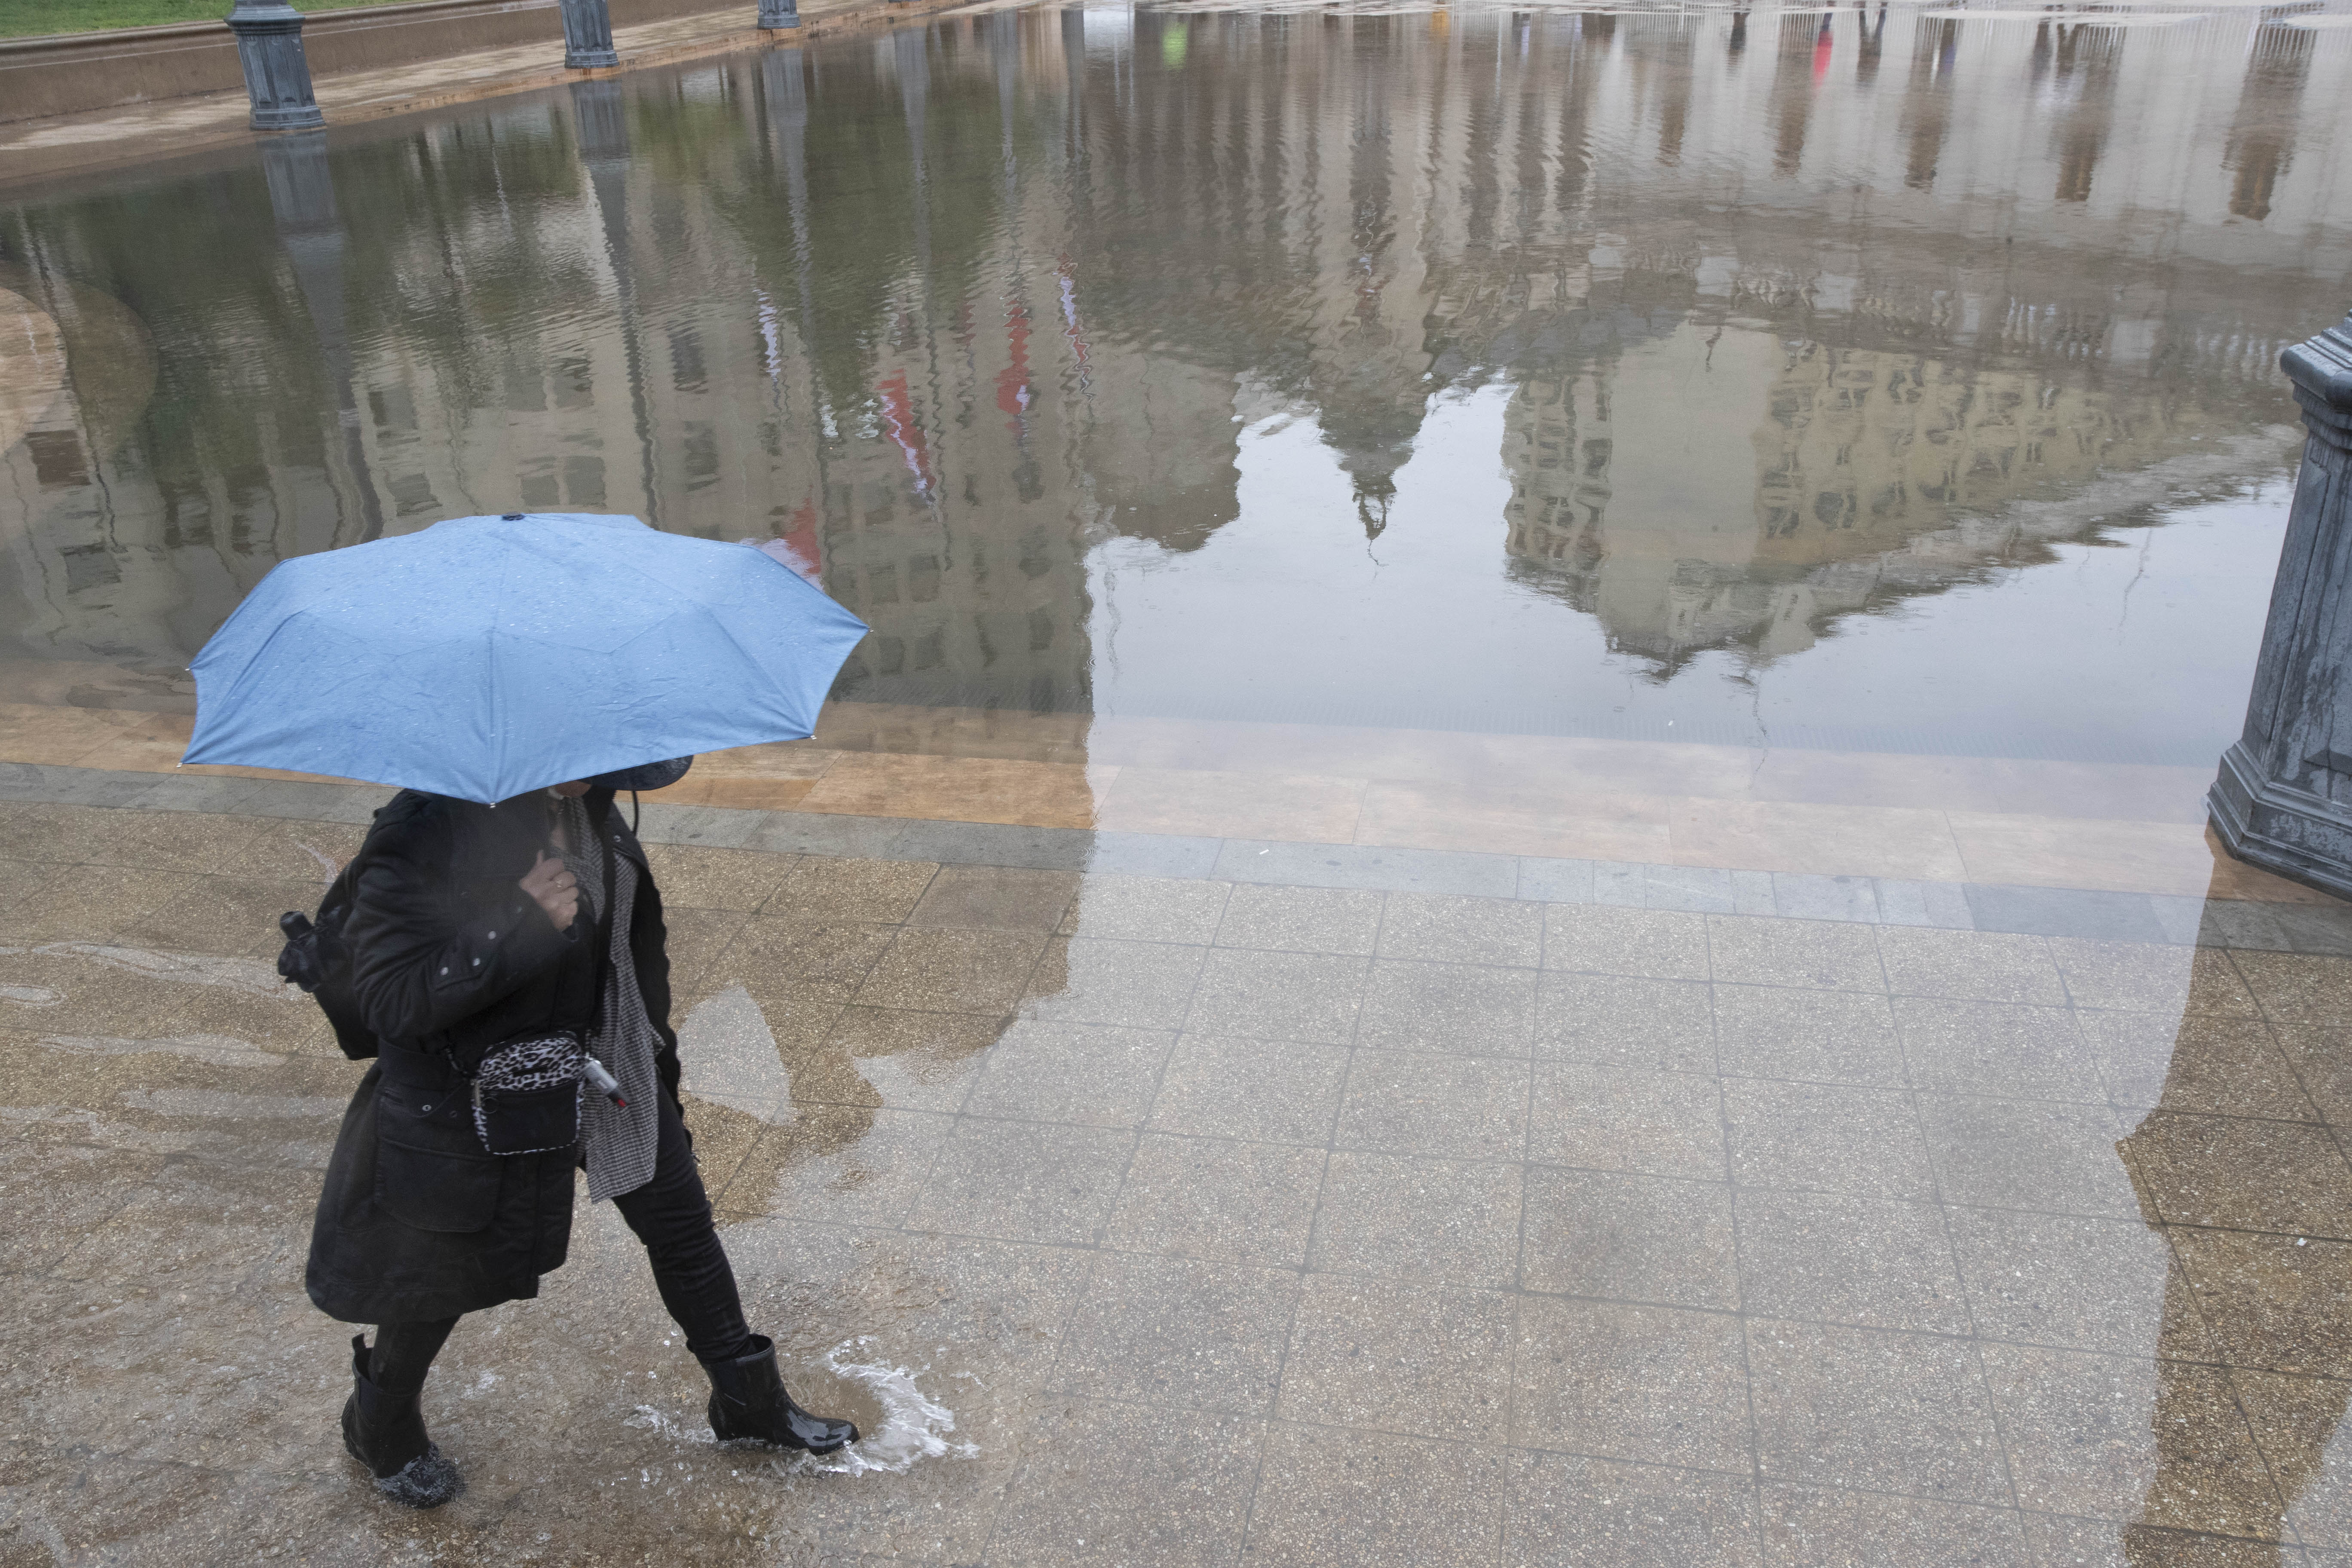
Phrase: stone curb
[1865,900]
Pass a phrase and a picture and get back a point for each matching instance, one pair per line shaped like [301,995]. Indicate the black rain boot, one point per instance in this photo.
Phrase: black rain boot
[747,1400]
[386,1434]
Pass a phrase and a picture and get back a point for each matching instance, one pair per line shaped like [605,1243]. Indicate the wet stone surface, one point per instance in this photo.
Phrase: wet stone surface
[1183,1293]
[1515,876]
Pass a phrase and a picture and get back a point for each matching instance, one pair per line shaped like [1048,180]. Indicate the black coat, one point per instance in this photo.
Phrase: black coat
[449,957]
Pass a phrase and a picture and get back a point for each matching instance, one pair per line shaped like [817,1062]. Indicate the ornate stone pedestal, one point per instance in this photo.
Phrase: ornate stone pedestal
[2284,800]
[587,34]
[276,75]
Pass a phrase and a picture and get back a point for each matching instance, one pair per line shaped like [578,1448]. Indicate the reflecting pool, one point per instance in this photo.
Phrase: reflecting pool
[1864,378]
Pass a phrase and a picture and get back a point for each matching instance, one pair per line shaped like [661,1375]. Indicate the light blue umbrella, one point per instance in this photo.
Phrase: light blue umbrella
[487,657]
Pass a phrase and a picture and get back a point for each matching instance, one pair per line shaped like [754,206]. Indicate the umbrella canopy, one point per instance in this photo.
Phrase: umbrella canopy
[489,656]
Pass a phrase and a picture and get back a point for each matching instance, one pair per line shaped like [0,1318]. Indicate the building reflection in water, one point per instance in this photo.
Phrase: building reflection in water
[1927,107]
[2083,72]
[2261,136]
[972,314]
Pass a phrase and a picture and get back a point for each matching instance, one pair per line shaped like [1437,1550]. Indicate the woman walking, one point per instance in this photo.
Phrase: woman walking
[480,934]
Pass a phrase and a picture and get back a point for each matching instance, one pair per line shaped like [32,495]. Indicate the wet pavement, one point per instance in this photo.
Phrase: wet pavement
[1517,875]
[1267,1212]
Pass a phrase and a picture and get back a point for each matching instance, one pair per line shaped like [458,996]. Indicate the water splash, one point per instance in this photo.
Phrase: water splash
[914,1426]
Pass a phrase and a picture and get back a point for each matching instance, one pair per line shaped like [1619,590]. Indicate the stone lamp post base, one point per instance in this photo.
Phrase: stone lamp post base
[277,73]
[2283,799]
[588,36]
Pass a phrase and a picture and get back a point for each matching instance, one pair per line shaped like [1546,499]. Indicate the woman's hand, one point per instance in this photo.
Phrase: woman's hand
[551,885]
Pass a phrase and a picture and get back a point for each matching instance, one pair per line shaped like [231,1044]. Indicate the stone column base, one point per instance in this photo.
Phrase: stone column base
[2290,832]
[587,35]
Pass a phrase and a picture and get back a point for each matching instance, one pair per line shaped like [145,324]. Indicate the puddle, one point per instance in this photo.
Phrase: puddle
[913,1426]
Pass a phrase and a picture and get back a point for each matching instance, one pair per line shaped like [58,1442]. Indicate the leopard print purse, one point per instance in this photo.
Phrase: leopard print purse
[526,1093]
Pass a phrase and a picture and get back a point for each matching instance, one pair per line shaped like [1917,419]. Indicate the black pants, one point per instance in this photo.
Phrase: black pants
[671,1214]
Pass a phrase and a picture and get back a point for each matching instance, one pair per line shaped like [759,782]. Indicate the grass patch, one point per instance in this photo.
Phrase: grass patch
[32,18]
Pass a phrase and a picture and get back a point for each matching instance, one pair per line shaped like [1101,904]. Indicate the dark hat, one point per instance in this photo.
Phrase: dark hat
[646,775]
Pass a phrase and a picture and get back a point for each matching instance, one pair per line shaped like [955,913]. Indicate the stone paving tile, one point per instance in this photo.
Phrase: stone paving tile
[1448,1221]
[2277,1303]
[2026,1154]
[1003,898]
[1648,944]
[1179,1332]
[1815,897]
[1874,1411]
[1565,1510]
[1866,1262]
[1093,1075]
[1023,1181]
[2235,1170]
[769,957]
[2289,988]
[2294,1421]
[1266,1091]
[2065,911]
[1831,1037]
[1218,1198]
[1470,1108]
[692,877]
[1627,1119]
[315,851]
[1146,908]
[703,945]
[23,880]
[1970,966]
[2322,1060]
[1820,1527]
[1129,1485]
[1629,1238]
[2136,976]
[1620,1021]
[1827,1138]
[1655,1385]
[1447,1007]
[886,1056]
[1399,1357]
[1327,1496]
[820,888]
[230,915]
[97,902]
[1137,984]
[2106,1543]
[2077,1429]
[2227,1065]
[1817,953]
[852,1165]
[1311,997]
[1996,1047]
[2076,1283]
[1301,919]
[1441,929]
